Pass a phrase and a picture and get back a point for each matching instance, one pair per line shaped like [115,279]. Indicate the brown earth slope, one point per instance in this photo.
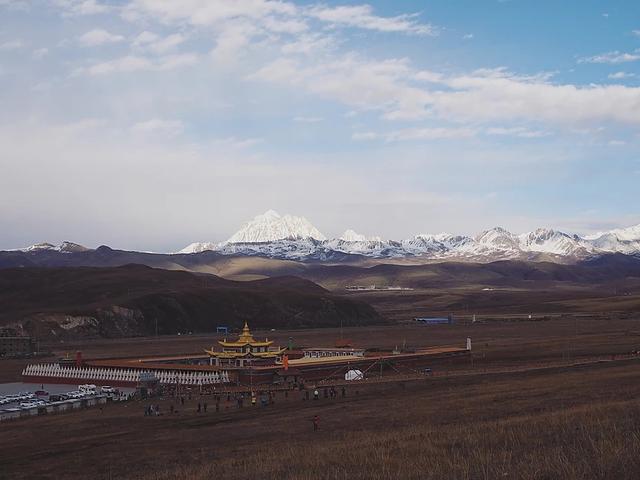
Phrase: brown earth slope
[135,300]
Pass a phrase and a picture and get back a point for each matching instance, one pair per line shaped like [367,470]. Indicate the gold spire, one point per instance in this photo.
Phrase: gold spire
[246,336]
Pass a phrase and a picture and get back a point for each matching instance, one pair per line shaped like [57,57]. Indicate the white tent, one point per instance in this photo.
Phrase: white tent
[354,375]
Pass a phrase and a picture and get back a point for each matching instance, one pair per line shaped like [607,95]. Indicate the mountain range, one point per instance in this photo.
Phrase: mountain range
[289,237]
[295,238]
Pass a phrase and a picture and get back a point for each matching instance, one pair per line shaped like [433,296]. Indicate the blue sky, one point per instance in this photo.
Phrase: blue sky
[150,124]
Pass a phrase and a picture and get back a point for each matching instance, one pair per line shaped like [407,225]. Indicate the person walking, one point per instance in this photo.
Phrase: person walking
[205,407]
[316,423]
[199,408]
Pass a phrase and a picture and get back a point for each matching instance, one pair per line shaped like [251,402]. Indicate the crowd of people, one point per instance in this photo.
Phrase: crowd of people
[241,399]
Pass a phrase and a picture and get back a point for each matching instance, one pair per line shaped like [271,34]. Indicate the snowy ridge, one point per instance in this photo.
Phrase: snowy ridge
[294,238]
[64,247]
[199,247]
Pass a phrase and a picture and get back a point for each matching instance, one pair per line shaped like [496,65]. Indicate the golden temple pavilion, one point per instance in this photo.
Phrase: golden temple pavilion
[246,350]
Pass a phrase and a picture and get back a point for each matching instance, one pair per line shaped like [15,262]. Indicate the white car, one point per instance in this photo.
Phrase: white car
[107,389]
[88,389]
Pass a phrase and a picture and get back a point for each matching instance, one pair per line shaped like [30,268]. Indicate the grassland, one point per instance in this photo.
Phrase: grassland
[550,421]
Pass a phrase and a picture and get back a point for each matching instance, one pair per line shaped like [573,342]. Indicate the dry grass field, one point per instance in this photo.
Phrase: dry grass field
[558,421]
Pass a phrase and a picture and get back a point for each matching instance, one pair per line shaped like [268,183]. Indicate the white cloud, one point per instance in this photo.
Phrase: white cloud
[236,143]
[287,25]
[160,127]
[487,95]
[272,16]
[129,63]
[438,133]
[310,43]
[232,41]
[361,16]
[11,45]
[171,62]
[365,136]
[145,38]
[636,33]
[521,132]
[166,44]
[133,63]
[98,37]
[206,12]
[81,7]
[614,57]
[427,76]
[620,75]
[409,134]
[40,53]
[468,36]
[367,85]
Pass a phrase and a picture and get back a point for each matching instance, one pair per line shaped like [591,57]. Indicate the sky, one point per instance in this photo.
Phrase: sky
[151,124]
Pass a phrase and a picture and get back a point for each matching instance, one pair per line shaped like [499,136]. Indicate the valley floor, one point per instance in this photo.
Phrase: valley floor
[551,421]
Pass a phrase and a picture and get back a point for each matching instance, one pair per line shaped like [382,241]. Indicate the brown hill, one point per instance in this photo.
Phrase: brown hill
[610,269]
[135,300]
[603,269]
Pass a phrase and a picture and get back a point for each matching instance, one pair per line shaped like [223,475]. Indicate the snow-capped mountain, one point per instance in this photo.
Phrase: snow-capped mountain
[295,238]
[545,240]
[270,227]
[198,247]
[496,239]
[288,237]
[64,247]
[622,240]
[351,236]
[355,243]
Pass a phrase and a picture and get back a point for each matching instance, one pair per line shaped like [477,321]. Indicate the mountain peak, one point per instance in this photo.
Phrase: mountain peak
[270,227]
[64,247]
[269,214]
[352,236]
[199,247]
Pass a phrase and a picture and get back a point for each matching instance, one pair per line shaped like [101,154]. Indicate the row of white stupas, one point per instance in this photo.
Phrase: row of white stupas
[54,370]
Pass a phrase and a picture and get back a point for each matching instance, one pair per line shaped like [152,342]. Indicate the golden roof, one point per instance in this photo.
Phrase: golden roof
[245,338]
[269,354]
